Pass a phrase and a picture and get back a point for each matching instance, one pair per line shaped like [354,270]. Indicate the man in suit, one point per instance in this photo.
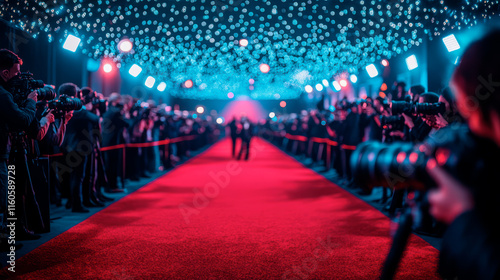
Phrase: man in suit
[78,145]
[113,127]
[246,135]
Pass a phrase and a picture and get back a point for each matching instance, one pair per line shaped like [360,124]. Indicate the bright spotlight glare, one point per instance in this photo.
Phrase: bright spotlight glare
[162,86]
[372,70]
[271,115]
[135,70]
[264,68]
[220,120]
[200,110]
[150,82]
[336,86]
[71,43]
[188,84]
[385,62]
[451,43]
[325,82]
[125,45]
[343,83]
[309,89]
[107,68]
[354,78]
[411,62]
[319,87]
[243,42]
[230,95]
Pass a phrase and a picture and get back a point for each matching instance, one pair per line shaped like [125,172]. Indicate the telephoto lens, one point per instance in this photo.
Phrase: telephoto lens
[430,108]
[46,93]
[467,157]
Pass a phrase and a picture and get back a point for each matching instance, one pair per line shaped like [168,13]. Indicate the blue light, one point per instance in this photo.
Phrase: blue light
[71,43]
[411,62]
[195,116]
[451,43]
[135,70]
[372,70]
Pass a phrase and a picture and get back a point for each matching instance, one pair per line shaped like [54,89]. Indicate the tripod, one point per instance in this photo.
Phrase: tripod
[20,160]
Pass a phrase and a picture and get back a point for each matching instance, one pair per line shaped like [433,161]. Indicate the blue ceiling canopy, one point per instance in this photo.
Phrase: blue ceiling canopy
[302,41]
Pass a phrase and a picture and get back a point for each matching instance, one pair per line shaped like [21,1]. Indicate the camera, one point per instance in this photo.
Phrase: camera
[410,108]
[23,84]
[462,154]
[396,122]
[62,105]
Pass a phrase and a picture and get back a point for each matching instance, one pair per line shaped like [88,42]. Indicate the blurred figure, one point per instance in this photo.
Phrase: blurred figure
[233,127]
[113,125]
[246,135]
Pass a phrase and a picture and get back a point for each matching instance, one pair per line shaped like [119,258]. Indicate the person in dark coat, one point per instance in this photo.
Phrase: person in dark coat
[78,146]
[233,128]
[113,125]
[246,135]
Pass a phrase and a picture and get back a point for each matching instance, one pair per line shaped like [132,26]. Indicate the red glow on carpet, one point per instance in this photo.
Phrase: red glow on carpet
[215,218]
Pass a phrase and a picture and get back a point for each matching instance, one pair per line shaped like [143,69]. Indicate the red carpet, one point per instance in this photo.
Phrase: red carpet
[272,219]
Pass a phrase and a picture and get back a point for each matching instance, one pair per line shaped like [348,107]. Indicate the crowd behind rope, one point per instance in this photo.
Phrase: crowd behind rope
[84,147]
[329,137]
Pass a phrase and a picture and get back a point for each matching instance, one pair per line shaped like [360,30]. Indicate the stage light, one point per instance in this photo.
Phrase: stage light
[230,95]
[243,42]
[354,79]
[336,86]
[200,109]
[188,84]
[343,83]
[264,68]
[372,70]
[325,82]
[383,87]
[195,116]
[150,82]
[411,62]
[319,87]
[162,86]
[251,81]
[220,120]
[71,43]
[385,62]
[125,45]
[271,115]
[107,68]
[135,70]
[282,104]
[309,89]
[451,43]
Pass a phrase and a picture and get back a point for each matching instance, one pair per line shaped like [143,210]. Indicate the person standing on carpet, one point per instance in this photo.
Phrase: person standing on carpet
[233,128]
[246,135]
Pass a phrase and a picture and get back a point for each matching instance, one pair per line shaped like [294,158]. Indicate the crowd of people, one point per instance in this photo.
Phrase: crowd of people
[92,145]
[460,203]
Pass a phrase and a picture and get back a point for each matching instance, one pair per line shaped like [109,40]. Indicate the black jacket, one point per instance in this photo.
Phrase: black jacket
[81,133]
[13,117]
[113,124]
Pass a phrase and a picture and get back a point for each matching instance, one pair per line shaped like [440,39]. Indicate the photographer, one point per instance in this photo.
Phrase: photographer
[13,117]
[78,146]
[471,248]
[113,128]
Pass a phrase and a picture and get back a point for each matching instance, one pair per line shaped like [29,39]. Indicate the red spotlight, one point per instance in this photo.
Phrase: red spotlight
[188,84]
[243,42]
[264,68]
[230,95]
[385,62]
[107,67]
[282,104]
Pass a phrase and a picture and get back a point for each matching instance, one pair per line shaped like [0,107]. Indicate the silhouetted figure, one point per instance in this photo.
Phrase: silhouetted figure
[245,134]
[233,127]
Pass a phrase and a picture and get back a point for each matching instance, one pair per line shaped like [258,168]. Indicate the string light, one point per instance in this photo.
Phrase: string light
[223,44]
